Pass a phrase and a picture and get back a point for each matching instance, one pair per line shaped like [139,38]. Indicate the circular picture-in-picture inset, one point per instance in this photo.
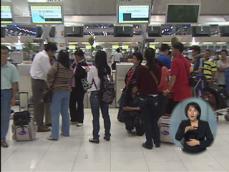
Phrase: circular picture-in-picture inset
[193,125]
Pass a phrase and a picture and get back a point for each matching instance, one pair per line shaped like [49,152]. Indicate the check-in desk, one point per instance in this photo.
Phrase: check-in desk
[121,71]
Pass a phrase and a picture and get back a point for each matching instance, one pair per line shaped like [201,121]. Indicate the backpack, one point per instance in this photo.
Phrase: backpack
[108,90]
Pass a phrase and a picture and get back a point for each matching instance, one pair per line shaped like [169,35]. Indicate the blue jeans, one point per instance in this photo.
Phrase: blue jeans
[226,73]
[95,105]
[6,96]
[59,105]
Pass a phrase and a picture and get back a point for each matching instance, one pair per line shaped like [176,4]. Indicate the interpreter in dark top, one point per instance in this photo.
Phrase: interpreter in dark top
[194,134]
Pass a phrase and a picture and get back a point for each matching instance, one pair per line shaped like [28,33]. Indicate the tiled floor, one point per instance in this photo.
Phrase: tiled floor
[123,153]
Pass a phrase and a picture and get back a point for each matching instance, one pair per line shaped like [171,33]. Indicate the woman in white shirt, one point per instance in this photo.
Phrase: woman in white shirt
[95,77]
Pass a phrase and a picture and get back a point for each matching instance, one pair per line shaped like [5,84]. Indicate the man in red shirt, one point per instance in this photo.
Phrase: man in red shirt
[180,72]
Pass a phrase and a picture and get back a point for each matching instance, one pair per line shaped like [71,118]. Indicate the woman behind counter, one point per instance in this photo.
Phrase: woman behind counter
[194,134]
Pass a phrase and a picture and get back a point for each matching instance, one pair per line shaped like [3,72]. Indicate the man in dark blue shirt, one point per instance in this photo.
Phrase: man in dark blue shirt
[163,56]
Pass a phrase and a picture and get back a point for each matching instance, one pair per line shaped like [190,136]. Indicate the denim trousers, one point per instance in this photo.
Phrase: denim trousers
[95,105]
[151,114]
[226,73]
[6,96]
[59,105]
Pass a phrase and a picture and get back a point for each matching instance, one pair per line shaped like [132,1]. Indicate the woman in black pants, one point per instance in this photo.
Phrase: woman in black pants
[148,78]
[77,94]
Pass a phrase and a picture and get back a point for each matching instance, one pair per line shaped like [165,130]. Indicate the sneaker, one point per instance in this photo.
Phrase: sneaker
[157,145]
[78,124]
[62,134]
[43,129]
[48,125]
[51,138]
[146,146]
[106,138]
[4,144]
[73,122]
[93,140]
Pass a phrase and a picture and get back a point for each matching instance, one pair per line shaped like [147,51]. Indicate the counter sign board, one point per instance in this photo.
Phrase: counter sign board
[46,14]
[6,14]
[133,11]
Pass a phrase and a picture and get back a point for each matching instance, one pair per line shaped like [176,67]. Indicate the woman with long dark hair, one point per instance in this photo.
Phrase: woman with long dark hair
[148,78]
[78,91]
[96,76]
[59,79]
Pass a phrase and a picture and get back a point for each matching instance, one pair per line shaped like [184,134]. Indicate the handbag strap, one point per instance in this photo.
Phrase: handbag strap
[154,77]
[93,82]
[51,87]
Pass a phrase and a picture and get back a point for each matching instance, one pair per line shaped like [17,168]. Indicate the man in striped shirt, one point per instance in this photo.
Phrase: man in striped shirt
[209,67]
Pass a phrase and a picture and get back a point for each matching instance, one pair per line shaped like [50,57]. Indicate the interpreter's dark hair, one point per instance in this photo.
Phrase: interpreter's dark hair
[150,58]
[63,58]
[139,56]
[3,47]
[79,53]
[179,46]
[50,46]
[101,64]
[118,50]
[196,106]
[164,47]
[224,50]
[196,48]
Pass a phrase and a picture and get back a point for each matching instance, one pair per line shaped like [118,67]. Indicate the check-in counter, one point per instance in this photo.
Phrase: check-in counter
[121,71]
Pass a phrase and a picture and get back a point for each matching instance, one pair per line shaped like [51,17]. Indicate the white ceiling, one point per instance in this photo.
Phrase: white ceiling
[105,10]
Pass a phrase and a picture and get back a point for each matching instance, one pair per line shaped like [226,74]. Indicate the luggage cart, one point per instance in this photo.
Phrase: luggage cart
[215,96]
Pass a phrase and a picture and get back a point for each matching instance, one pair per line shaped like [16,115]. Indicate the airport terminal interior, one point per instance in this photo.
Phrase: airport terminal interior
[73,36]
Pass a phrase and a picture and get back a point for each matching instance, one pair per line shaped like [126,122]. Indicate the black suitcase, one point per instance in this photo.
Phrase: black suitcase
[220,95]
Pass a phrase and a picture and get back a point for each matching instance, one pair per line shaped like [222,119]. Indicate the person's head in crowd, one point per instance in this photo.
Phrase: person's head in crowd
[207,54]
[195,50]
[118,50]
[165,49]
[63,58]
[137,58]
[50,48]
[174,40]
[178,48]
[101,63]
[4,54]
[150,58]
[224,54]
[193,111]
[79,55]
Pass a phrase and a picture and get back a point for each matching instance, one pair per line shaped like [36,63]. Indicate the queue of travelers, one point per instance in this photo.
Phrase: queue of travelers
[151,90]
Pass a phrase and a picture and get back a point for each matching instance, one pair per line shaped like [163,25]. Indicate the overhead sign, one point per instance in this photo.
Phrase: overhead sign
[133,13]
[46,14]
[6,14]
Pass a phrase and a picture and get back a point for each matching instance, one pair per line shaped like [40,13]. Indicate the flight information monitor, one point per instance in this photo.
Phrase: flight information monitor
[182,13]
[133,14]
[46,14]
[6,14]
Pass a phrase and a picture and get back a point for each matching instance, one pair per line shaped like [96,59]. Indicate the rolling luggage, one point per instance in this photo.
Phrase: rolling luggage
[164,126]
[23,127]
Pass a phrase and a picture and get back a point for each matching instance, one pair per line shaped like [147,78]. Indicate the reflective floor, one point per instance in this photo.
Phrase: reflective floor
[123,153]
